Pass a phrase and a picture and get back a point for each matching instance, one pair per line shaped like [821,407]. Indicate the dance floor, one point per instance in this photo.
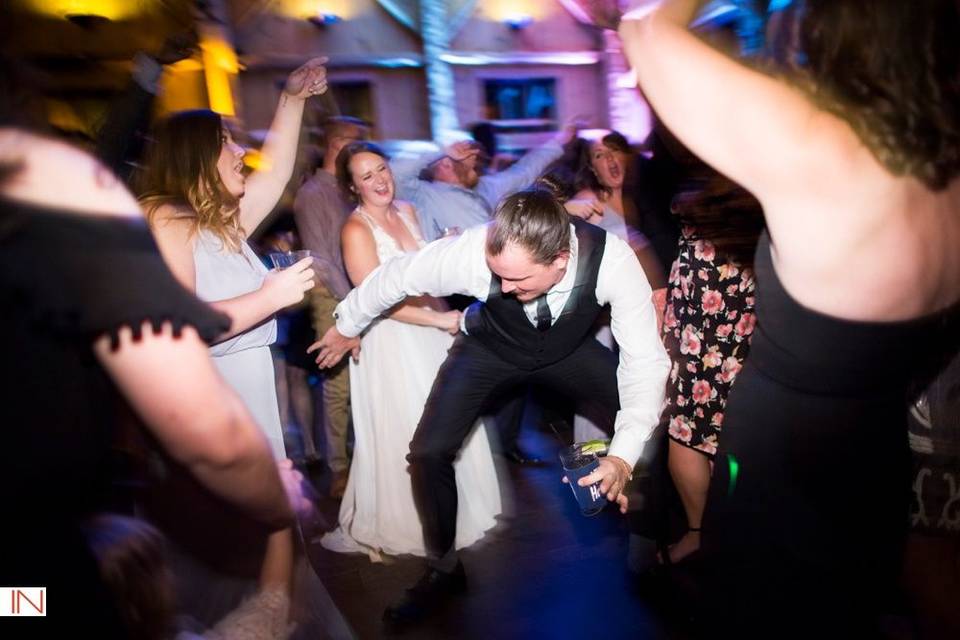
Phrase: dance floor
[545,572]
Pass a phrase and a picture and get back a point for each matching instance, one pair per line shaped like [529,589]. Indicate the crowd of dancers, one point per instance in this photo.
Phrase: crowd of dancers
[764,333]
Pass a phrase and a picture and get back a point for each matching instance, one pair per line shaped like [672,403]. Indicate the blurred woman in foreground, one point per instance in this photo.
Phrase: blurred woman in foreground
[858,281]
[92,315]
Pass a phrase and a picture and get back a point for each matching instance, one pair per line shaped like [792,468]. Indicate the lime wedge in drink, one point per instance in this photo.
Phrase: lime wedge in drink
[594,446]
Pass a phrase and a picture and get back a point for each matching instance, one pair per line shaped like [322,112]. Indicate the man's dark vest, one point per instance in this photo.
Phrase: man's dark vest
[502,326]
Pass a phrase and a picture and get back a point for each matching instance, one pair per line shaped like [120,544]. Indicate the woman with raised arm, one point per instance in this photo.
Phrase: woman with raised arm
[202,207]
[390,383]
[855,164]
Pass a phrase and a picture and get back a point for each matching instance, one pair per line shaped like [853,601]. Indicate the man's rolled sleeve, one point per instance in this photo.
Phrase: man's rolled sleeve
[644,364]
[442,268]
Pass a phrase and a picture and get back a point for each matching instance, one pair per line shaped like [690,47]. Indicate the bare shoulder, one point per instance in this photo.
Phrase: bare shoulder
[56,174]
[173,225]
[357,243]
[355,226]
[584,194]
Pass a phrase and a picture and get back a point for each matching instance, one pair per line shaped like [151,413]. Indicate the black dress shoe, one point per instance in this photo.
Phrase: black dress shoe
[432,590]
[519,456]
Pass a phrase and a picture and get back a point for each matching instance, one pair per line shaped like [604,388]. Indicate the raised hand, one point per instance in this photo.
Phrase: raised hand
[570,128]
[460,151]
[309,80]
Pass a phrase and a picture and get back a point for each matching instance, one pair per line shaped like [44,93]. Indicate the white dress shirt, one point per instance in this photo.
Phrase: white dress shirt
[459,265]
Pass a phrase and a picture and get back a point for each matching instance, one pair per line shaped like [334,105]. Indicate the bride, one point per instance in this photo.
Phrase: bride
[402,353]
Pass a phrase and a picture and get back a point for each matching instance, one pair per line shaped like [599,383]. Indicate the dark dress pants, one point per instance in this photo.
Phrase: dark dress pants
[470,379]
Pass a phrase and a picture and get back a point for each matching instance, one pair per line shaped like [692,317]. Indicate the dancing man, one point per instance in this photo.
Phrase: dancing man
[540,281]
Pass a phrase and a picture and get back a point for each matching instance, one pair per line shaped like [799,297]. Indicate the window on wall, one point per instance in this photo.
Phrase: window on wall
[520,99]
[354,98]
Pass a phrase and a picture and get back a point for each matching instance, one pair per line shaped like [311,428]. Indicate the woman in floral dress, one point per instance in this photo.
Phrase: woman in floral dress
[707,327]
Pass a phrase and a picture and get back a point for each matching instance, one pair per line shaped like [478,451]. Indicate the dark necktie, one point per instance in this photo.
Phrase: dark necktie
[543,313]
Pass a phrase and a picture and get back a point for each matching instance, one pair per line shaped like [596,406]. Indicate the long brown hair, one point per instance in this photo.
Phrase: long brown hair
[723,212]
[891,69]
[181,170]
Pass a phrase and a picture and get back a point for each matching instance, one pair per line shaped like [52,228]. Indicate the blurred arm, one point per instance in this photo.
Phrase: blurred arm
[756,130]
[442,268]
[172,385]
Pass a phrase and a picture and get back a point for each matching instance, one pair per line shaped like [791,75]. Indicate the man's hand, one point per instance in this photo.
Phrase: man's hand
[462,150]
[333,346]
[584,208]
[570,128]
[449,321]
[612,474]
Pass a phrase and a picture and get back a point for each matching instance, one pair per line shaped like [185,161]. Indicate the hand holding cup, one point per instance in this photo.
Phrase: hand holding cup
[287,286]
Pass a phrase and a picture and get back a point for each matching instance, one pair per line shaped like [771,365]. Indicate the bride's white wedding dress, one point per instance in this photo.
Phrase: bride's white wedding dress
[388,390]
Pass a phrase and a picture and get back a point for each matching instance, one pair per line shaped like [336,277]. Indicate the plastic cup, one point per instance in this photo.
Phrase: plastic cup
[282,260]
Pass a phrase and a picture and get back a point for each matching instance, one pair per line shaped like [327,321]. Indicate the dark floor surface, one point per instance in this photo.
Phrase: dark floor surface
[545,572]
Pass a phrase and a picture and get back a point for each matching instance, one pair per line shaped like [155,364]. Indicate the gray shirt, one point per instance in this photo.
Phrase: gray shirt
[441,204]
[320,211]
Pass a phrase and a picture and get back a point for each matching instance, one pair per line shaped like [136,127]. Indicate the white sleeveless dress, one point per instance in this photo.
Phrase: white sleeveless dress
[388,390]
[243,360]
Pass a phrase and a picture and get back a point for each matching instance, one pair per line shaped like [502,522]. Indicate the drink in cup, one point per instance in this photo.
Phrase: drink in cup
[580,460]
[282,260]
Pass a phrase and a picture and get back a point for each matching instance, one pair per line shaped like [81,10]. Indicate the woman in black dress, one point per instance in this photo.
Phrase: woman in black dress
[858,281]
[93,316]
